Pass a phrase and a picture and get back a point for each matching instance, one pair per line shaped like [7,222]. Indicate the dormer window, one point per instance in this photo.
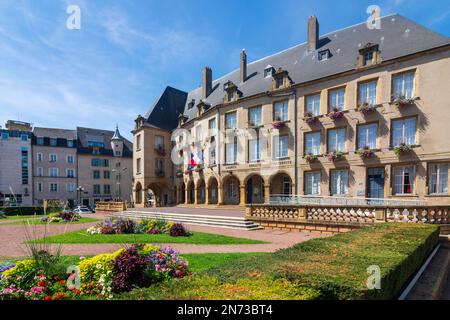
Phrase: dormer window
[268,71]
[191,104]
[324,55]
[202,107]
[281,79]
[232,92]
[182,119]
[369,55]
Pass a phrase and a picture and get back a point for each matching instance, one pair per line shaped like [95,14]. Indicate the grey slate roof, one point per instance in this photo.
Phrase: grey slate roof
[55,133]
[98,135]
[397,37]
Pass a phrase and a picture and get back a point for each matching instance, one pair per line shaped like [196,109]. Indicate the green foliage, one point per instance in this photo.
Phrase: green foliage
[31,210]
[325,268]
[23,268]
[93,268]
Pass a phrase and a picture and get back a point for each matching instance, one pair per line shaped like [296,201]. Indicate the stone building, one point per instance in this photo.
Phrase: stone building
[16,164]
[104,166]
[55,165]
[359,112]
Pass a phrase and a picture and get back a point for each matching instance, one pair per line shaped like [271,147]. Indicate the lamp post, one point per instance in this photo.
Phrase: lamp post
[118,177]
[80,189]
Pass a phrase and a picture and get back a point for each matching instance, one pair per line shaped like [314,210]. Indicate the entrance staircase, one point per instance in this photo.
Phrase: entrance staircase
[239,223]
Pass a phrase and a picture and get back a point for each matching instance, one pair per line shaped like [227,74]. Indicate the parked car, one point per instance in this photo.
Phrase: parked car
[92,208]
[82,210]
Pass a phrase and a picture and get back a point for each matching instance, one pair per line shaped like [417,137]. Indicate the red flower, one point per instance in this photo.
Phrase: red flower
[62,282]
[76,291]
[100,295]
[59,296]
[47,298]
[56,278]
[42,283]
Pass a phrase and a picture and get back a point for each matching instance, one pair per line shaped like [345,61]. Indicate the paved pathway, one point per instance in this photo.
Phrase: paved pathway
[13,236]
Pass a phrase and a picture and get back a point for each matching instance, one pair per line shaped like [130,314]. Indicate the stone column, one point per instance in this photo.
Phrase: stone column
[293,189]
[144,198]
[206,195]
[186,196]
[196,196]
[220,195]
[267,193]
[242,195]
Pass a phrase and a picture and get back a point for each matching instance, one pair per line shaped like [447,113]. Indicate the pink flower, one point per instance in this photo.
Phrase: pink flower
[19,278]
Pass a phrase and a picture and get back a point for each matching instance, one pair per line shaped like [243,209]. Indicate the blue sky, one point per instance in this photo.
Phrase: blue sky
[127,52]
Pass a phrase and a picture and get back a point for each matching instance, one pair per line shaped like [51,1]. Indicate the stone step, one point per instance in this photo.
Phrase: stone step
[203,220]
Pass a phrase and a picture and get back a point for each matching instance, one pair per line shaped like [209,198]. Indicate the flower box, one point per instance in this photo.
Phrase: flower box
[365,153]
[335,156]
[278,125]
[310,119]
[179,174]
[160,151]
[310,157]
[402,101]
[403,148]
[336,114]
[366,108]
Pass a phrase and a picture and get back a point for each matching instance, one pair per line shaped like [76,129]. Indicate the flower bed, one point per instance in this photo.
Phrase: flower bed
[128,226]
[65,216]
[99,277]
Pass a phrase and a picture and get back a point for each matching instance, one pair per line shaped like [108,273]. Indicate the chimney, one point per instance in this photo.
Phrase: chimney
[207,82]
[313,33]
[243,66]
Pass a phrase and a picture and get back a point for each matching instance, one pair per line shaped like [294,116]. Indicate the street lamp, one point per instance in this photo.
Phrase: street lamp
[80,189]
[118,177]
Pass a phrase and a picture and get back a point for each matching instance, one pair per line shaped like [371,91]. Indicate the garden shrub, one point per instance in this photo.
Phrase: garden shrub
[124,226]
[22,268]
[93,268]
[178,230]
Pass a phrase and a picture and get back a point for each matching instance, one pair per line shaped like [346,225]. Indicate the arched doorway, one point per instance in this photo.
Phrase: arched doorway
[183,193]
[191,192]
[231,188]
[138,194]
[281,184]
[213,195]
[254,189]
[201,192]
[157,195]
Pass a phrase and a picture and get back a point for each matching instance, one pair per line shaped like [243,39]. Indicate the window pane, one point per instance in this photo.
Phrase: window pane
[337,99]
[254,150]
[312,183]
[367,136]
[312,143]
[404,180]
[230,120]
[313,105]
[404,131]
[336,140]
[368,92]
[281,111]
[254,116]
[339,182]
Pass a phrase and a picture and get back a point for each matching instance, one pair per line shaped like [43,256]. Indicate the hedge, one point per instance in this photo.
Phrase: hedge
[333,268]
[27,211]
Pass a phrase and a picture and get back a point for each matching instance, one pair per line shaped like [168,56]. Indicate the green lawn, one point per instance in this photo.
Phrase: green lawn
[197,238]
[199,262]
[39,222]
[20,217]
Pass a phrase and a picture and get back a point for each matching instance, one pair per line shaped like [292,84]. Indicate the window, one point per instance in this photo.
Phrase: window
[24,137]
[438,178]
[96,174]
[404,131]
[198,133]
[404,180]
[254,116]
[336,140]
[339,182]
[324,55]
[40,172]
[403,85]
[138,142]
[287,188]
[39,187]
[96,189]
[312,183]
[70,143]
[40,157]
[212,126]
[70,173]
[53,142]
[336,99]
[232,189]
[159,142]
[138,166]
[96,144]
[53,172]
[159,167]
[280,144]
[367,92]
[40,141]
[280,111]
[70,158]
[368,58]
[100,163]
[52,158]
[279,82]
[312,143]
[254,150]
[106,189]
[230,95]
[70,187]
[231,152]
[106,174]
[24,156]
[268,71]
[53,187]
[231,120]
[313,105]
[5,135]
[367,136]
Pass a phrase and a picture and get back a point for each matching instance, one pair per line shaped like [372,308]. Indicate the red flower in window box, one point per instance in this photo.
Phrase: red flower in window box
[336,114]
[310,119]
[366,108]
[278,124]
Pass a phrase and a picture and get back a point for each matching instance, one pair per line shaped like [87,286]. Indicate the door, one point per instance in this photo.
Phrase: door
[375,183]
[250,191]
